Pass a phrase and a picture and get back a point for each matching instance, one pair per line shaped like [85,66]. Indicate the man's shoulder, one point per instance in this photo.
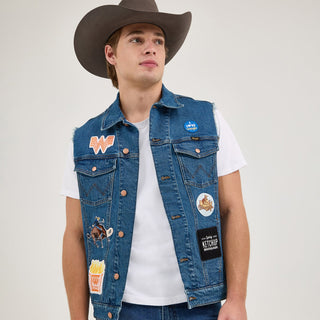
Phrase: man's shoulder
[91,124]
[190,100]
[192,103]
[97,119]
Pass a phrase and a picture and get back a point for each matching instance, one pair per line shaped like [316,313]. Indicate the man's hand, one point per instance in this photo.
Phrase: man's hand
[233,310]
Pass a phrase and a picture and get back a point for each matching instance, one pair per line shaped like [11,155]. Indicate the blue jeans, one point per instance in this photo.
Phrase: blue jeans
[172,312]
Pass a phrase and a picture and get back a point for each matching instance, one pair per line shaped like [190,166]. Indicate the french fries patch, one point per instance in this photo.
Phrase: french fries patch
[96,274]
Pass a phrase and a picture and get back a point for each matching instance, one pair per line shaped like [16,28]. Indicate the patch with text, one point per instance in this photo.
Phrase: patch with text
[209,245]
[191,126]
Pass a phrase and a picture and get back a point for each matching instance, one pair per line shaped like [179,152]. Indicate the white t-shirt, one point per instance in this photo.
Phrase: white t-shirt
[153,274]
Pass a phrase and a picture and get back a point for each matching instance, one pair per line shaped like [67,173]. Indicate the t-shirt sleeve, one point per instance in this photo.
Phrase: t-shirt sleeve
[229,156]
[70,181]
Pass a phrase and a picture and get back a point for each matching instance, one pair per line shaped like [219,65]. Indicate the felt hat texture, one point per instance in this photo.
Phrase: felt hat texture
[99,24]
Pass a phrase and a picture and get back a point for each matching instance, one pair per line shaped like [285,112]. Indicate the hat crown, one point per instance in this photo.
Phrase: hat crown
[140,5]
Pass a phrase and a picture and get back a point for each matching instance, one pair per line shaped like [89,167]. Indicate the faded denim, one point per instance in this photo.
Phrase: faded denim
[185,162]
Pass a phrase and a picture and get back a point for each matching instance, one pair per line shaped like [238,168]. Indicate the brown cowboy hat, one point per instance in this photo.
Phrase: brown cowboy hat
[98,25]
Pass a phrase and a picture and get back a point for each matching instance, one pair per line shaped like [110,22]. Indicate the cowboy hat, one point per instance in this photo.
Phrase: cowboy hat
[99,24]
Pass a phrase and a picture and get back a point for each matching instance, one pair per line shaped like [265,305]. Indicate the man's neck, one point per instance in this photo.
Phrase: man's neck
[136,102]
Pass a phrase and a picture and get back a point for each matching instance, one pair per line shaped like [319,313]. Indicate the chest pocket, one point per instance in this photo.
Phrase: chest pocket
[198,161]
[95,180]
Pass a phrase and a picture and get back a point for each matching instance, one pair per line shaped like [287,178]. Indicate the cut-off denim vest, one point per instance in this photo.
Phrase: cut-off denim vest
[184,144]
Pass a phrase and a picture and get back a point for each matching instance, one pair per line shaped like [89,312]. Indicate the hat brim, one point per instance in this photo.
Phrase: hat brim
[99,24]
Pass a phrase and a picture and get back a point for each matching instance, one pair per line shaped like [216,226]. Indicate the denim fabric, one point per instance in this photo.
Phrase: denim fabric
[172,312]
[184,145]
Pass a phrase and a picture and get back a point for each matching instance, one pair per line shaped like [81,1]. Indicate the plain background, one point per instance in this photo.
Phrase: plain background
[257,59]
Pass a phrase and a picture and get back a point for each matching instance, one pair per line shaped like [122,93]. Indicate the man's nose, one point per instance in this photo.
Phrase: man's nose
[150,48]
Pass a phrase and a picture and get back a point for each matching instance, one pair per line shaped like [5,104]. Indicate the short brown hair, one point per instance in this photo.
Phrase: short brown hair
[113,42]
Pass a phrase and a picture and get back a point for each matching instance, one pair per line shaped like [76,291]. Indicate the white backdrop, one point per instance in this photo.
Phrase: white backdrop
[257,59]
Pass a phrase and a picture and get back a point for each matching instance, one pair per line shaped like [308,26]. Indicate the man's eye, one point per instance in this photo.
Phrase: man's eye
[135,40]
[159,41]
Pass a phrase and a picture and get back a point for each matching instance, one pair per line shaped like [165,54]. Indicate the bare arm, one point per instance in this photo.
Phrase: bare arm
[236,246]
[74,262]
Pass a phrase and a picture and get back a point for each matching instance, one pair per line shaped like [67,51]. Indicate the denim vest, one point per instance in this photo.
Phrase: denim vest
[184,144]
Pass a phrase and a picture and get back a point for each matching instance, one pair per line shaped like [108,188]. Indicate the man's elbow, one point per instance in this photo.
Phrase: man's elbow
[73,235]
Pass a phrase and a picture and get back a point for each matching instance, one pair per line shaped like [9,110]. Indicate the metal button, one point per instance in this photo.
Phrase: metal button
[94,169]
[197,150]
[123,193]
[125,151]
[125,124]
[109,315]
[121,234]
[116,276]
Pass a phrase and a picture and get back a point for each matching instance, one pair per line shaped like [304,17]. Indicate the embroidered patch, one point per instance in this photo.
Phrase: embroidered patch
[208,242]
[205,204]
[101,143]
[98,232]
[191,126]
[96,274]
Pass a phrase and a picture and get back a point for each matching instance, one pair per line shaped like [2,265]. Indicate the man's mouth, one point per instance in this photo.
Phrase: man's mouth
[149,63]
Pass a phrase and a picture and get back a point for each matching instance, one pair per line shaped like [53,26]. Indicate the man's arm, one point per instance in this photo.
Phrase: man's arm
[74,262]
[236,246]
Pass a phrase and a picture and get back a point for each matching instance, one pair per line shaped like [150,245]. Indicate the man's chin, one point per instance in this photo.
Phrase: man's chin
[149,80]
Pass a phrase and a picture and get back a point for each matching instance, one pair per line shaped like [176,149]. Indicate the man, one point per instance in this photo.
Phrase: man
[152,236]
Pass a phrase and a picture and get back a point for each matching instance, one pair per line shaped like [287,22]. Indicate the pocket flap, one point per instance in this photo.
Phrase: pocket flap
[197,148]
[95,167]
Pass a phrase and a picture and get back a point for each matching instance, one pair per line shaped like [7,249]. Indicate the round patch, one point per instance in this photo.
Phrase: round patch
[205,204]
[191,126]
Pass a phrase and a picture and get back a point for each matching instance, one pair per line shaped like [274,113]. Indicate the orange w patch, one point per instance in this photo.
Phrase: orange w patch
[101,144]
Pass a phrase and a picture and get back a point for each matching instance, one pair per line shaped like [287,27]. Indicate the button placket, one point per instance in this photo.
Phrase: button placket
[125,151]
[121,234]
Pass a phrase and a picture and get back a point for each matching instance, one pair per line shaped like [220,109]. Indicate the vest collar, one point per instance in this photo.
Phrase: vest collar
[168,100]
[113,114]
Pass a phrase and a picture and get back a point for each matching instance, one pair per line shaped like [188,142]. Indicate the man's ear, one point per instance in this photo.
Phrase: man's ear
[109,54]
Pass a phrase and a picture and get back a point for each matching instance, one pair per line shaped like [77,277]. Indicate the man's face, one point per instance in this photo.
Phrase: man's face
[140,55]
